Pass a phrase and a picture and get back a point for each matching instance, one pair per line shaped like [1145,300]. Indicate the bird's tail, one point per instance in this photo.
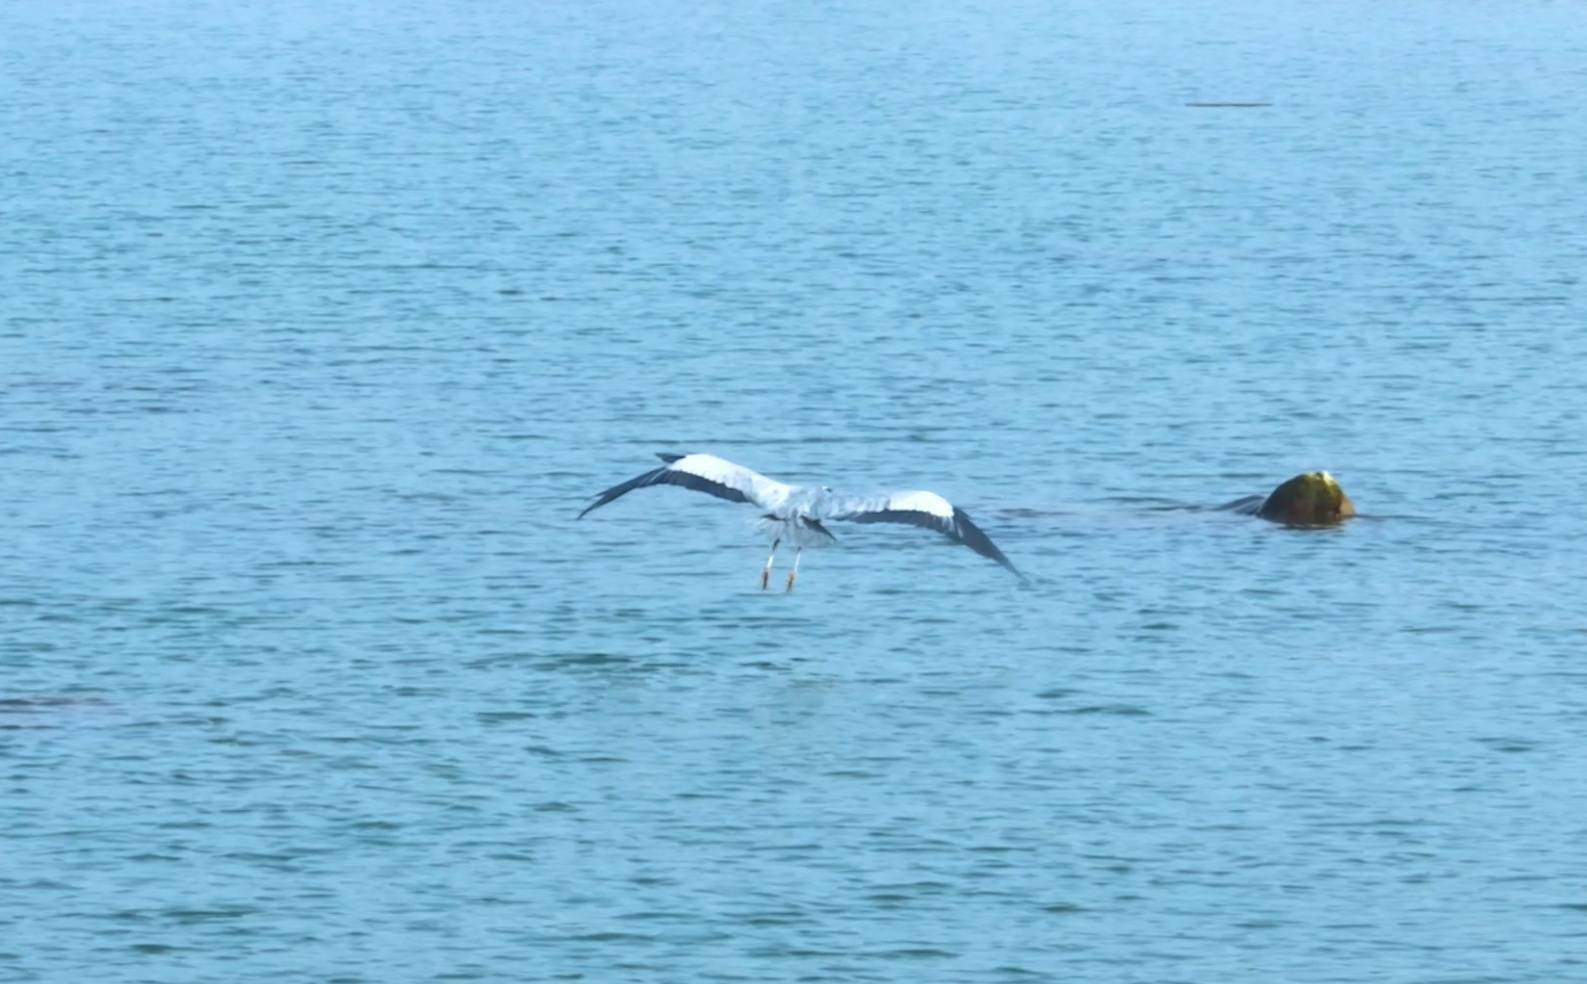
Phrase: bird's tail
[814,526]
[802,531]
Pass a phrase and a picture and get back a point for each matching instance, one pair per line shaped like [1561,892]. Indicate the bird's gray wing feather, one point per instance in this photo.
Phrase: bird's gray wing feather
[918,508]
[702,473]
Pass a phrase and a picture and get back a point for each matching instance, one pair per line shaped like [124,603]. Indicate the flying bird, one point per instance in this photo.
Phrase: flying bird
[799,514]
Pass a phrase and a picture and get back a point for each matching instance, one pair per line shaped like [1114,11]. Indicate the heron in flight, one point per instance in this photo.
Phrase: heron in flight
[799,513]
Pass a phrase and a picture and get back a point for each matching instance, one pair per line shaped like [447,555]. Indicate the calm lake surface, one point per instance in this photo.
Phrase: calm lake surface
[320,323]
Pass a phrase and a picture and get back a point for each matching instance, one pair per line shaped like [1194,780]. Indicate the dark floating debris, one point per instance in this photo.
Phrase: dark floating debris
[1309,499]
[1312,499]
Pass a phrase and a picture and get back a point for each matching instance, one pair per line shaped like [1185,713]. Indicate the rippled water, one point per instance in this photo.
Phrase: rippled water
[321,325]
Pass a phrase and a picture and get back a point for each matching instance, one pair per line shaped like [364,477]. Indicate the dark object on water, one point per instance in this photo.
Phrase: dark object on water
[1312,499]
[1228,105]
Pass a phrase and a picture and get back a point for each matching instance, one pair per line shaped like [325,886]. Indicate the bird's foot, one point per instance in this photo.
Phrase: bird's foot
[792,577]
[765,578]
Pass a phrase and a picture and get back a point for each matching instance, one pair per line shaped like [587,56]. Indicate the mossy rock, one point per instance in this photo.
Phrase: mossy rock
[1312,499]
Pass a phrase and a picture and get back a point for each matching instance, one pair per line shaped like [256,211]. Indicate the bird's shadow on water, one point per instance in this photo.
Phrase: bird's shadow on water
[39,711]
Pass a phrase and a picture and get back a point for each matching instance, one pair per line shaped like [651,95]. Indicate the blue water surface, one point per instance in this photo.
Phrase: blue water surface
[320,323]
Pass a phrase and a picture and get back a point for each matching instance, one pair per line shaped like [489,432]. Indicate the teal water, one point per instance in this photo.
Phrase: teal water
[319,326]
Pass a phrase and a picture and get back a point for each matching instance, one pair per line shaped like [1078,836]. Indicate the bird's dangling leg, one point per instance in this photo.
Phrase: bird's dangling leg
[793,574]
[765,575]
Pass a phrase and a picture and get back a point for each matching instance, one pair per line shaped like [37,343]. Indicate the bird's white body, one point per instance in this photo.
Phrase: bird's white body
[798,513]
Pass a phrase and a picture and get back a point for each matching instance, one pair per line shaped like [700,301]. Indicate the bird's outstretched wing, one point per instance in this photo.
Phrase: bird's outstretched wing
[704,473]
[918,508]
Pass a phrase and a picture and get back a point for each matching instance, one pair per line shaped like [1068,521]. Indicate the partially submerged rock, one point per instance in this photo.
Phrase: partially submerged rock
[1312,499]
